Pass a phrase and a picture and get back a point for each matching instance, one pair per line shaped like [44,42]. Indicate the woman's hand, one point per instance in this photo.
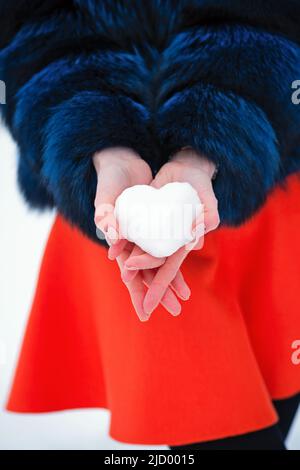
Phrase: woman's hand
[186,166]
[137,288]
[118,169]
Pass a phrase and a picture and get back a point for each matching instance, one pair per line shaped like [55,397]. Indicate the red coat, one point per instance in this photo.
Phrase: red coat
[209,373]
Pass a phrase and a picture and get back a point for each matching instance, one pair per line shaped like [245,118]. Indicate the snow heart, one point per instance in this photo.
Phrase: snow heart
[158,220]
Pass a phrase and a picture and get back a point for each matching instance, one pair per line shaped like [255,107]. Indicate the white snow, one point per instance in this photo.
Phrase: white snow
[158,220]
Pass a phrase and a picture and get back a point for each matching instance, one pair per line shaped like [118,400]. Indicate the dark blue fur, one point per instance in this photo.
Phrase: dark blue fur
[248,159]
[154,75]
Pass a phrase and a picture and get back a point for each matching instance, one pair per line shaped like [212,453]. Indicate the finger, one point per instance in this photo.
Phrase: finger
[136,289]
[110,184]
[144,261]
[105,220]
[112,235]
[164,276]
[129,274]
[198,240]
[136,251]
[199,218]
[161,178]
[137,292]
[141,260]
[199,245]
[169,299]
[211,214]
[108,226]
[116,249]
[180,286]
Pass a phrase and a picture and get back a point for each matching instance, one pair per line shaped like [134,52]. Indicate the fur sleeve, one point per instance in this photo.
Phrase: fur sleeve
[229,96]
[66,99]
[82,75]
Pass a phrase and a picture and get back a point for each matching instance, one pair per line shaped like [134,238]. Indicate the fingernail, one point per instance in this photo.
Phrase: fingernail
[146,318]
[150,303]
[185,293]
[148,310]
[112,234]
[176,310]
[111,256]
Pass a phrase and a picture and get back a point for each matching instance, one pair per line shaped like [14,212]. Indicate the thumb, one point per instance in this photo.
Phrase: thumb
[160,179]
[108,189]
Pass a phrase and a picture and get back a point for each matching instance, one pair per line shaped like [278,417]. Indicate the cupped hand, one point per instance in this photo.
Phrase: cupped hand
[186,166]
[118,169]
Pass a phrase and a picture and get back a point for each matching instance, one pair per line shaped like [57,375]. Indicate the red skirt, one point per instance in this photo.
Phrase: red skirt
[209,373]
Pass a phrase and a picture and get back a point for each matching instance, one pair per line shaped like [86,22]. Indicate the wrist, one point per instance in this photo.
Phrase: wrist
[189,156]
[114,155]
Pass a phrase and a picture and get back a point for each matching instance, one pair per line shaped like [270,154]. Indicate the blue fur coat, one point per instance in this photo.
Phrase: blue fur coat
[154,75]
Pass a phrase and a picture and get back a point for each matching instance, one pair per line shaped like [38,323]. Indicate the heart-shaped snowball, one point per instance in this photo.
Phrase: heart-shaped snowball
[158,220]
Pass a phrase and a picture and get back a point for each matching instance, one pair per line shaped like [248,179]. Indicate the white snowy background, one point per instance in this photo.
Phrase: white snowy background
[22,238]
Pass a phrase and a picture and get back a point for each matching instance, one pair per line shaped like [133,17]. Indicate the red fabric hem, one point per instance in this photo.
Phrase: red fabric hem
[185,438]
